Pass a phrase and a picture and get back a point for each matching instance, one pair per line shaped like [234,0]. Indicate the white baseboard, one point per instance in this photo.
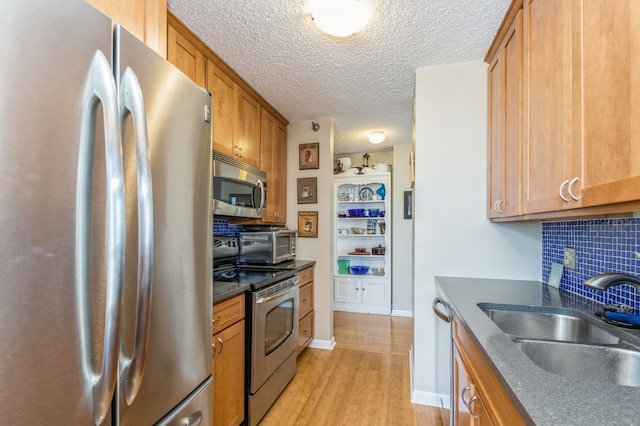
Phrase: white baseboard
[426,398]
[401,313]
[323,344]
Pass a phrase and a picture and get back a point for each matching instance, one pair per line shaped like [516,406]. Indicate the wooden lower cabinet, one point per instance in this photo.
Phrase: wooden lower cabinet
[228,362]
[479,398]
[305,325]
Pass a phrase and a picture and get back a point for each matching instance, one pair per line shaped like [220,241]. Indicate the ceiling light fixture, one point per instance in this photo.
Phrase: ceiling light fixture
[376,136]
[340,18]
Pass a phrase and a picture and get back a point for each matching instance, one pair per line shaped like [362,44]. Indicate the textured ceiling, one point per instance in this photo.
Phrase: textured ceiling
[364,82]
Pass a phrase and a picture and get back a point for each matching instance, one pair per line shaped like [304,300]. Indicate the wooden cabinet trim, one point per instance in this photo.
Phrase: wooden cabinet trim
[503,29]
[209,54]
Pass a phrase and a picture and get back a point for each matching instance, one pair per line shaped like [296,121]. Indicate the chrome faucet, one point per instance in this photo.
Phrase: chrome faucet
[604,281]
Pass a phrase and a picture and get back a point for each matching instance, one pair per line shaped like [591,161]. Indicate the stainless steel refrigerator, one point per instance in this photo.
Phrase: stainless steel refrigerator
[105,225]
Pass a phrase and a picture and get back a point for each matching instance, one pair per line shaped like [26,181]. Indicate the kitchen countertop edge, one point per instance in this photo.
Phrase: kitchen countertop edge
[543,398]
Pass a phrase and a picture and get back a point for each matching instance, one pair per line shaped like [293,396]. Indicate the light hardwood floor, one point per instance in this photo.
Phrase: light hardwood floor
[364,380]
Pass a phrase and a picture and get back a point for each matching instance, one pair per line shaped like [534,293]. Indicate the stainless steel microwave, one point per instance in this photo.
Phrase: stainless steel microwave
[239,189]
[267,247]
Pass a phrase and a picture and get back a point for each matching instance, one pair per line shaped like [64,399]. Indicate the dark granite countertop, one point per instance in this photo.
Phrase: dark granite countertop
[223,290]
[543,398]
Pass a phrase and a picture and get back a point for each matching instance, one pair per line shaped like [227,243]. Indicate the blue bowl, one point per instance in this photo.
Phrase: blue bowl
[374,212]
[356,212]
[359,270]
[381,213]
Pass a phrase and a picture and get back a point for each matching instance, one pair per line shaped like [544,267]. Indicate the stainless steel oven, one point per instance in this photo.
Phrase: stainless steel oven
[274,340]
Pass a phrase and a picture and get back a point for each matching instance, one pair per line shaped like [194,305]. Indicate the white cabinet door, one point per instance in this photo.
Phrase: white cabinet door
[347,290]
[375,292]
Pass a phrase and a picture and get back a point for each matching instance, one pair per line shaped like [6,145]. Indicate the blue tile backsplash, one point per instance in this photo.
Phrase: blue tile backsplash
[223,227]
[602,245]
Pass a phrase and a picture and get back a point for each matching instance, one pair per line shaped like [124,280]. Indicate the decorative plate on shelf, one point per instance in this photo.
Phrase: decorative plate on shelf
[366,193]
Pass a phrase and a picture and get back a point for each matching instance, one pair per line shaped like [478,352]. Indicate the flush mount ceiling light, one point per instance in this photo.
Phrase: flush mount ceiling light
[376,136]
[339,18]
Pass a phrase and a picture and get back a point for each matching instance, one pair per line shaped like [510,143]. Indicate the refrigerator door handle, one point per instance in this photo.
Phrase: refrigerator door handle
[100,88]
[132,102]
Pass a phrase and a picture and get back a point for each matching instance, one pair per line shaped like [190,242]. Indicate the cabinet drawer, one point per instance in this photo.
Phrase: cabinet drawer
[305,332]
[306,276]
[306,299]
[227,312]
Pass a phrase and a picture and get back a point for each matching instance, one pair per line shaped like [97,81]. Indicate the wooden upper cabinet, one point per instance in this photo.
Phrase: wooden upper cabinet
[247,127]
[610,46]
[185,56]
[146,19]
[552,157]
[505,125]
[273,160]
[222,89]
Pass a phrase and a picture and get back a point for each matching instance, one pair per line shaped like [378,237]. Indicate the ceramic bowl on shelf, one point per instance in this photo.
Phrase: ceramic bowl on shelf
[381,213]
[374,212]
[356,212]
[377,271]
[357,230]
[359,270]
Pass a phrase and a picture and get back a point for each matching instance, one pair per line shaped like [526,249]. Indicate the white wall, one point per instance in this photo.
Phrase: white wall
[318,249]
[402,244]
[452,235]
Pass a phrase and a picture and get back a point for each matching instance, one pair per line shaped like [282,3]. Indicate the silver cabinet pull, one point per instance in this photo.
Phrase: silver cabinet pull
[100,89]
[221,345]
[213,346]
[570,188]
[446,317]
[465,390]
[471,401]
[565,199]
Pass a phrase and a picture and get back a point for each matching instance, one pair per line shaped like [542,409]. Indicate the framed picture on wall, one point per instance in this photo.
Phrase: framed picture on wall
[408,208]
[308,157]
[308,224]
[307,190]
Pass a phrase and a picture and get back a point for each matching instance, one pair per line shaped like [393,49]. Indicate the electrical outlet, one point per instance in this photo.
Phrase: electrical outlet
[570,258]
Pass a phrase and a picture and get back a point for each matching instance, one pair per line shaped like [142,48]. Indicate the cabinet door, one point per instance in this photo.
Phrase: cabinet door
[222,90]
[247,127]
[273,160]
[375,292]
[185,56]
[550,156]
[461,391]
[228,376]
[505,125]
[305,332]
[611,72]
[145,19]
[347,290]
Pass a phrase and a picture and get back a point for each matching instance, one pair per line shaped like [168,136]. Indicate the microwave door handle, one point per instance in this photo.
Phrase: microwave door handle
[262,196]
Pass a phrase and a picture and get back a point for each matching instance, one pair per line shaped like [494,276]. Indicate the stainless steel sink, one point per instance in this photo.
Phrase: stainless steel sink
[541,324]
[585,362]
[570,343]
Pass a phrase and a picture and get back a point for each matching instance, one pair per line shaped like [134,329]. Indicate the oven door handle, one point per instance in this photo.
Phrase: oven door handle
[277,295]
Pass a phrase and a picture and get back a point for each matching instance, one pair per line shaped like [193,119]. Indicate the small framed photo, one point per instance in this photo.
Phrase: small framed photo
[308,158]
[307,190]
[308,224]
